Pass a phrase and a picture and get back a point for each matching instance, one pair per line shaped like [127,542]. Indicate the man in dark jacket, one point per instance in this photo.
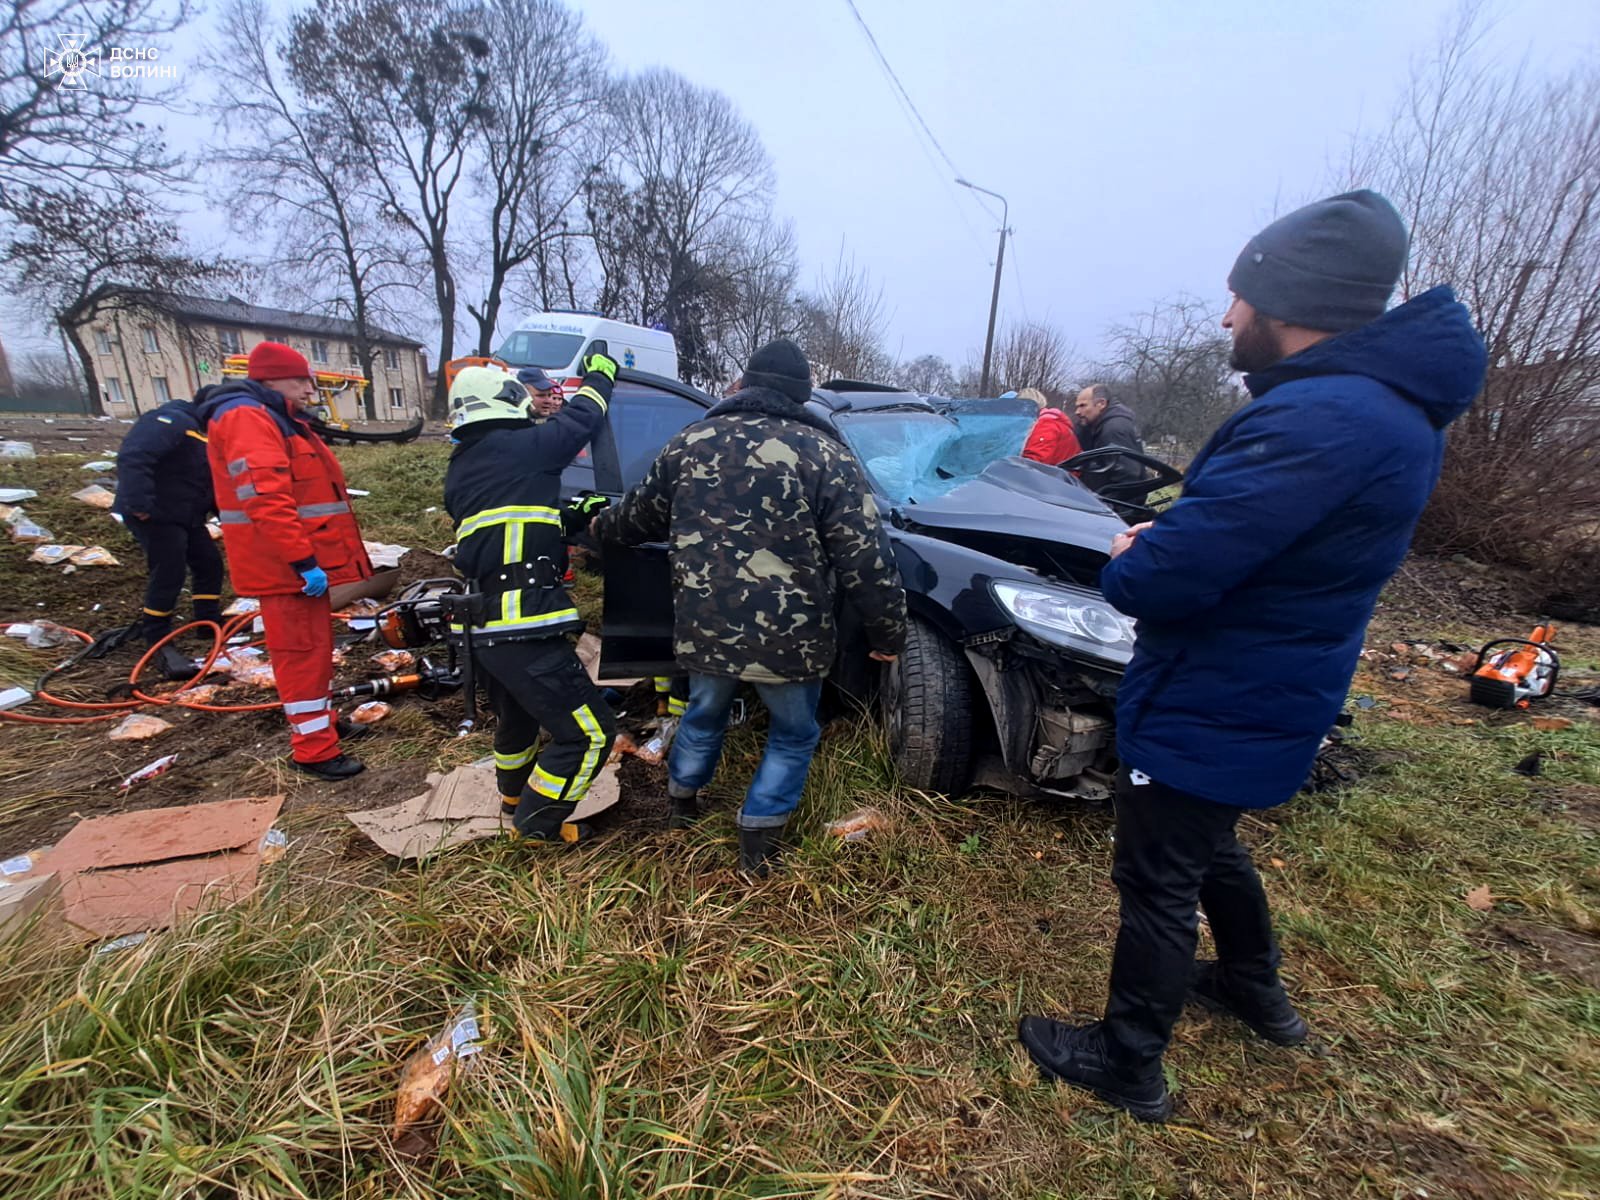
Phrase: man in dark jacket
[502,489]
[1252,594]
[1103,422]
[770,526]
[164,497]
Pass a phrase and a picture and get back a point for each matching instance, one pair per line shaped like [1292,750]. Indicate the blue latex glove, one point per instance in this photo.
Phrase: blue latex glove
[316,581]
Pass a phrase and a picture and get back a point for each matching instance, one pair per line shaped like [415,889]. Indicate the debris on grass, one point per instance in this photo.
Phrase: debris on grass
[1480,899]
[28,532]
[139,727]
[14,697]
[31,902]
[100,464]
[370,713]
[96,496]
[244,604]
[458,807]
[655,750]
[47,635]
[393,661]
[16,450]
[274,845]
[150,771]
[1531,766]
[16,496]
[95,556]
[425,1080]
[384,554]
[127,873]
[1552,724]
[51,553]
[859,825]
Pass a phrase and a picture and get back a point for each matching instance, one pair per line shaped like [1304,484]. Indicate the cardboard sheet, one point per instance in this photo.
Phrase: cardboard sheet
[144,870]
[462,806]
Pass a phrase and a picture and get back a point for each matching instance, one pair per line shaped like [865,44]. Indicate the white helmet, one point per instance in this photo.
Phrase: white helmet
[487,394]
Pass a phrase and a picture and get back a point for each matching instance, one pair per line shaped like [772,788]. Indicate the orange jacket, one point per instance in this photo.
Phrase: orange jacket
[280,494]
[1052,440]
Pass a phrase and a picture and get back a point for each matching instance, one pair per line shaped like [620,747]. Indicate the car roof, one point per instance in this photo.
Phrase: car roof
[845,395]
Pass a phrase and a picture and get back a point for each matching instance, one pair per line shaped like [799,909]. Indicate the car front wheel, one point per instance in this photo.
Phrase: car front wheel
[926,704]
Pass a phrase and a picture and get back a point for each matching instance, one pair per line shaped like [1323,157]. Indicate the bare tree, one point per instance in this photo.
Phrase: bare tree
[333,253]
[928,374]
[1170,365]
[62,138]
[688,182]
[1032,354]
[83,260]
[764,272]
[1498,176]
[399,89]
[533,153]
[843,323]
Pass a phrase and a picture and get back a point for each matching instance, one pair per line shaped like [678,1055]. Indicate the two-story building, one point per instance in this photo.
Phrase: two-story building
[145,356]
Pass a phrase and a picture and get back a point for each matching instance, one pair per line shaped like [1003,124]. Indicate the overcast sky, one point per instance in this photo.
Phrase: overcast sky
[1139,144]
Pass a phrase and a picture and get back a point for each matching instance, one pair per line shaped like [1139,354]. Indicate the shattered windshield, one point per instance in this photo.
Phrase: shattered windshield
[913,455]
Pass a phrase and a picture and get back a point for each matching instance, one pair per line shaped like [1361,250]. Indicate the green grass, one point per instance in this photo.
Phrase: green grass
[658,1026]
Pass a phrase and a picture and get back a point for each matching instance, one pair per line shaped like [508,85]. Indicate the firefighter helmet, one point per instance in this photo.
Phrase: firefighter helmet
[487,394]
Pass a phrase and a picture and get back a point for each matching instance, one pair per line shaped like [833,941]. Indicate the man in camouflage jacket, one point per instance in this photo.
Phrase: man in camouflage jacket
[770,527]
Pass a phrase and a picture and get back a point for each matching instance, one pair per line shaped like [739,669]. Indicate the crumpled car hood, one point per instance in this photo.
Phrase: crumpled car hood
[1017,497]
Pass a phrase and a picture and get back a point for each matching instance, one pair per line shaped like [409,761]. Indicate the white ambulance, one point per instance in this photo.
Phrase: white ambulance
[558,341]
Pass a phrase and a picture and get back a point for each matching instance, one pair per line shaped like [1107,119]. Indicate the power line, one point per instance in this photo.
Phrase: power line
[908,106]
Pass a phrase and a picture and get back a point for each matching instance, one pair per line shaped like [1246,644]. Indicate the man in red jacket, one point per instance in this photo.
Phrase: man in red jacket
[289,533]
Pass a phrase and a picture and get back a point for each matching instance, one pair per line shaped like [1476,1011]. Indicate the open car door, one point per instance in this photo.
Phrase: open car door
[646,410]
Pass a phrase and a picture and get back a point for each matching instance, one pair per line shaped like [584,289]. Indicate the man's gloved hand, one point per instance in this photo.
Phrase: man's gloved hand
[580,513]
[599,362]
[316,581]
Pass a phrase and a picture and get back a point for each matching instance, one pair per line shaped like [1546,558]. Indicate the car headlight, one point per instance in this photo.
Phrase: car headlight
[1077,620]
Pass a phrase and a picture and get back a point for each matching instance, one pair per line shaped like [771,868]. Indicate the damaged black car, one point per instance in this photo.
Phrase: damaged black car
[1013,657]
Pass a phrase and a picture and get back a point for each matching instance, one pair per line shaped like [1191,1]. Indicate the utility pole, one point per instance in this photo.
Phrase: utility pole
[999,264]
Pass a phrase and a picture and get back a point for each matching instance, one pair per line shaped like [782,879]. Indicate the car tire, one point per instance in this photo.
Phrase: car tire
[926,704]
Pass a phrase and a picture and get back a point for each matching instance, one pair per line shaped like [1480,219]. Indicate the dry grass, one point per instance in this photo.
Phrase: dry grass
[658,1026]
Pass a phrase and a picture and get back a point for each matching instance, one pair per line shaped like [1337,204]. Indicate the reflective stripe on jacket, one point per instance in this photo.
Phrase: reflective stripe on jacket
[280,493]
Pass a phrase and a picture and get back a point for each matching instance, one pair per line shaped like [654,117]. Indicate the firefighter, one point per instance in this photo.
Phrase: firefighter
[289,534]
[164,498]
[502,489]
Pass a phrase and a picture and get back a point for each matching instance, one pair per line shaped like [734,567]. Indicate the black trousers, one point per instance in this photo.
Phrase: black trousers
[171,552]
[1176,851]
[540,685]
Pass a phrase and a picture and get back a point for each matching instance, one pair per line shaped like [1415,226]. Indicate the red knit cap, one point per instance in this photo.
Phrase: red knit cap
[274,360]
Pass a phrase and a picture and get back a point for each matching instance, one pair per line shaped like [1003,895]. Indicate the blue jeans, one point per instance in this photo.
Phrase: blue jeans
[793,736]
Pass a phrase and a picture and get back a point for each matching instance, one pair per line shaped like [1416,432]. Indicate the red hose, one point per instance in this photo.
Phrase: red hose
[111,710]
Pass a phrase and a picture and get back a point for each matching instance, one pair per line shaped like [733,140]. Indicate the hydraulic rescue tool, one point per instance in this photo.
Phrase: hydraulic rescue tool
[1510,672]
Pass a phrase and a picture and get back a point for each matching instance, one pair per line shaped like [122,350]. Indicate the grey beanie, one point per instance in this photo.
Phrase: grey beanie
[1329,266]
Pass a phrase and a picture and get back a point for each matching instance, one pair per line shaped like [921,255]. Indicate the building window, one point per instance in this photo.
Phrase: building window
[391,359]
[355,357]
[319,352]
[159,382]
[152,344]
[102,342]
[114,391]
[231,340]
[397,398]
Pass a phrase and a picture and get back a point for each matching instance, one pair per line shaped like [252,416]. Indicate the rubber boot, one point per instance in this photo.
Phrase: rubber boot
[1076,1055]
[331,770]
[1264,1007]
[759,850]
[685,807]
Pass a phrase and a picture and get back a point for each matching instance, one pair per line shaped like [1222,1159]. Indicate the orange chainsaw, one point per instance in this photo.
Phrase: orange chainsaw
[1512,671]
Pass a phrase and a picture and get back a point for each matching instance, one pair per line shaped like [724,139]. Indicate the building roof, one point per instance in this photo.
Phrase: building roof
[233,311]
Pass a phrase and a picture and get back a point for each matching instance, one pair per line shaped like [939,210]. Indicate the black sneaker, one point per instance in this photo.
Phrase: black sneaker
[1075,1054]
[1267,1011]
[332,770]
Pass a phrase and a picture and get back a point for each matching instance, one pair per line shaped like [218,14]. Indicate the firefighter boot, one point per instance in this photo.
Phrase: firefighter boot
[331,770]
[548,822]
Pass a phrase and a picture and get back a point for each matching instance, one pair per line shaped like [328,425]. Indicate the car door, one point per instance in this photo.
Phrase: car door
[646,410]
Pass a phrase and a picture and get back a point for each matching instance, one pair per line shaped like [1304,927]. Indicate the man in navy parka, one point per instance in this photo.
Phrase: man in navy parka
[1252,594]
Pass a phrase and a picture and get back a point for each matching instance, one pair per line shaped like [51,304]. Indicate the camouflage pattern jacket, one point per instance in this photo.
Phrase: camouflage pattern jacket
[770,527]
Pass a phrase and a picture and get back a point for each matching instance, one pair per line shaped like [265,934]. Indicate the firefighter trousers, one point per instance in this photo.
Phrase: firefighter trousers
[299,635]
[172,551]
[540,684]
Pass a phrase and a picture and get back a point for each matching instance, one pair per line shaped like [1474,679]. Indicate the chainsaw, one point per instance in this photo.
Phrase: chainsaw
[1510,672]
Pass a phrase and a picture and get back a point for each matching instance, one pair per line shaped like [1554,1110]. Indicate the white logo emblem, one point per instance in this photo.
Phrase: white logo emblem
[71,61]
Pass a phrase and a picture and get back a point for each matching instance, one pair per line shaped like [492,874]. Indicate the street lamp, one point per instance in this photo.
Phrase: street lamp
[999,262]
